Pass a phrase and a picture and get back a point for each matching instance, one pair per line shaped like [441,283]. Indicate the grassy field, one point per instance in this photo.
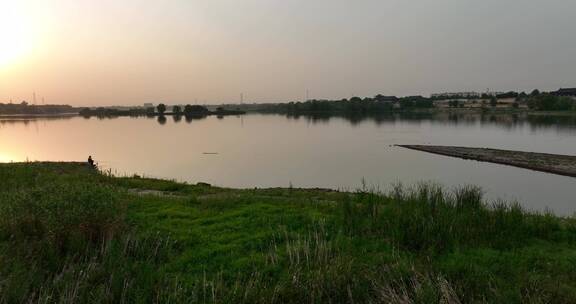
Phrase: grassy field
[71,235]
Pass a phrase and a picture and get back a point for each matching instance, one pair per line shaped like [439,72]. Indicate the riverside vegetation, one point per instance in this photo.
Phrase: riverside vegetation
[70,234]
[379,104]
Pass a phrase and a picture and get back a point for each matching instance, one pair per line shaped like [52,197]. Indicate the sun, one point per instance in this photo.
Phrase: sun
[15,34]
[5,158]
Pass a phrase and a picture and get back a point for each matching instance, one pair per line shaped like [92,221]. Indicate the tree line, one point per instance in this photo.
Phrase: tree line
[356,105]
[25,108]
[188,110]
[549,102]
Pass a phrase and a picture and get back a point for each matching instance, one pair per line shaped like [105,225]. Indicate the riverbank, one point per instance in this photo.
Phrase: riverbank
[550,163]
[71,234]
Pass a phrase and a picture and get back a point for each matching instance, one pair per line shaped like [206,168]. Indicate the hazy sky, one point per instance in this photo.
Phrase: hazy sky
[106,52]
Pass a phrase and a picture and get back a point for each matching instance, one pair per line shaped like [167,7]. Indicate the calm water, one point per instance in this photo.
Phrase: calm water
[276,151]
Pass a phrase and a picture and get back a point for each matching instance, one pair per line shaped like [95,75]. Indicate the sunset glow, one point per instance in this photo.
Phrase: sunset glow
[5,158]
[87,52]
[15,33]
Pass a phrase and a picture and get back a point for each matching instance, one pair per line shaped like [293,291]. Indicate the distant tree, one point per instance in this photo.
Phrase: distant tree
[187,109]
[195,110]
[177,110]
[548,102]
[356,99]
[150,111]
[86,112]
[493,101]
[521,97]
[425,103]
[161,108]
[382,98]
[406,103]
[536,92]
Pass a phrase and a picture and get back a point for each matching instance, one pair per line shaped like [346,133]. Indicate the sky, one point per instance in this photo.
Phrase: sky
[128,52]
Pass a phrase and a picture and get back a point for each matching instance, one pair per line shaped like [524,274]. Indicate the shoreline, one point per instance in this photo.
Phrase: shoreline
[304,113]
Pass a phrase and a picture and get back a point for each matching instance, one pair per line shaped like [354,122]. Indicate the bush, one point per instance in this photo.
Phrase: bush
[59,213]
[547,102]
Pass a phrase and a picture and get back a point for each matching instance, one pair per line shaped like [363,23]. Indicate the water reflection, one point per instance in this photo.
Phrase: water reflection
[506,121]
[307,151]
[561,123]
[7,120]
[190,118]
[162,120]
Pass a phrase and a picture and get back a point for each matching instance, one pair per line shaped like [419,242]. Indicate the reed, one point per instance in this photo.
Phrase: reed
[73,235]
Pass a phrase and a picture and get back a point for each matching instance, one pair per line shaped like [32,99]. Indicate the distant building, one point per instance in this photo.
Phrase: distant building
[492,93]
[148,105]
[571,92]
[456,95]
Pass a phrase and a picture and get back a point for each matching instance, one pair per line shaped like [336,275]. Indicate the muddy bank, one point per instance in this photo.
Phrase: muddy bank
[551,163]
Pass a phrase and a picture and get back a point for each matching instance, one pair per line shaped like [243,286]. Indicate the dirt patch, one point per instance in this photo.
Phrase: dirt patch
[153,192]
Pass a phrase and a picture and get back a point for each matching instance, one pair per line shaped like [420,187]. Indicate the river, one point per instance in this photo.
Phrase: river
[259,150]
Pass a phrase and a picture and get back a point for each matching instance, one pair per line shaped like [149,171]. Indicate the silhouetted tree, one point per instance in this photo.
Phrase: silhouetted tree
[187,109]
[195,110]
[382,98]
[177,110]
[86,112]
[161,108]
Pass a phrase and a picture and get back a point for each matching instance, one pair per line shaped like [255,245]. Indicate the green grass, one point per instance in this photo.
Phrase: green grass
[69,234]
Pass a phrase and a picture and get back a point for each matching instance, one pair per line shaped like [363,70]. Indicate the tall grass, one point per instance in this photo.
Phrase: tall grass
[427,218]
[66,236]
